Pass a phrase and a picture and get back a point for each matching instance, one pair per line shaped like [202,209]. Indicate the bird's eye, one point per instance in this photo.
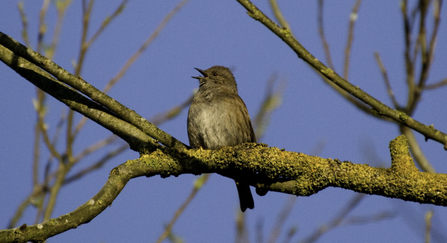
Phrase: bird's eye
[215,74]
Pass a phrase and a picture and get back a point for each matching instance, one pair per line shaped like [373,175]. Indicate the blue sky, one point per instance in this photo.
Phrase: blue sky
[203,34]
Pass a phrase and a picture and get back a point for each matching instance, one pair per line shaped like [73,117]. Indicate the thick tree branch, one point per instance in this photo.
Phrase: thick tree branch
[270,168]
[378,107]
[82,86]
[129,133]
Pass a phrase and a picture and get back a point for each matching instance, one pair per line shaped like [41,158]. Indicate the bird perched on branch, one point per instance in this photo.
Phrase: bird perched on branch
[218,117]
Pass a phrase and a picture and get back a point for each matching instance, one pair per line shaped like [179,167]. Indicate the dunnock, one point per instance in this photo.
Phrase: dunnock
[218,117]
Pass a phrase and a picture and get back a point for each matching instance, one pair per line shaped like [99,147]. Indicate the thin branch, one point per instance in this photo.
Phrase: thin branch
[157,120]
[436,85]
[70,135]
[281,219]
[40,103]
[132,135]
[36,147]
[428,218]
[171,113]
[279,16]
[95,147]
[337,219]
[420,45]
[271,101]
[416,150]
[241,228]
[37,196]
[42,25]
[97,165]
[143,47]
[342,220]
[259,231]
[427,52]
[62,7]
[197,186]
[106,23]
[83,214]
[361,106]
[387,81]
[323,39]
[85,45]
[357,220]
[352,20]
[24,19]
[378,107]
[59,127]
[48,143]
[409,62]
[81,85]
[54,190]
[19,212]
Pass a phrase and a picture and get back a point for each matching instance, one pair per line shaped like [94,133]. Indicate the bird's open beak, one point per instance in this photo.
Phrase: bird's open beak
[202,72]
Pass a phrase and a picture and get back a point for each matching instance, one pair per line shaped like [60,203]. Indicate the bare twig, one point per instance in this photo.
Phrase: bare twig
[62,7]
[85,45]
[330,64]
[135,56]
[20,210]
[96,165]
[42,26]
[436,85]
[197,186]
[171,113]
[378,108]
[241,228]
[361,106]
[143,47]
[407,36]
[352,20]
[48,143]
[281,219]
[326,48]
[106,23]
[357,220]
[271,101]
[416,150]
[337,220]
[95,147]
[428,218]
[118,110]
[279,16]
[24,19]
[426,52]
[387,81]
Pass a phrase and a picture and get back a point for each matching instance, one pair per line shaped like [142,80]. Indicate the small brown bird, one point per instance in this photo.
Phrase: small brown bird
[218,117]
